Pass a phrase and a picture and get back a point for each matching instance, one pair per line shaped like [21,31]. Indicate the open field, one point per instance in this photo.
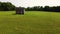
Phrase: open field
[31,23]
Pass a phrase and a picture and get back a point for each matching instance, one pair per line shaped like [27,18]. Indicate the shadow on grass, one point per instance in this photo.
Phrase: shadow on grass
[17,14]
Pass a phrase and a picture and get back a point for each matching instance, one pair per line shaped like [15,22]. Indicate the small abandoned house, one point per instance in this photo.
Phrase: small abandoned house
[20,10]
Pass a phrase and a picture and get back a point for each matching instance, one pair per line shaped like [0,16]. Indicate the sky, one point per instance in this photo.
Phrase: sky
[30,3]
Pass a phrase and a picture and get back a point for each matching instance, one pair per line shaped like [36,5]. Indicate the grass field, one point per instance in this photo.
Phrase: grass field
[31,23]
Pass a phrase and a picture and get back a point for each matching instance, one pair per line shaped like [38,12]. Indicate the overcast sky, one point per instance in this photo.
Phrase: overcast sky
[30,3]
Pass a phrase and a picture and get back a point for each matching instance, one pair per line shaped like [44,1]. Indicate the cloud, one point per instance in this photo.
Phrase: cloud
[26,3]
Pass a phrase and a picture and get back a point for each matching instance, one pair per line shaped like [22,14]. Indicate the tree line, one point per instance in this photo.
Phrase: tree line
[46,8]
[7,6]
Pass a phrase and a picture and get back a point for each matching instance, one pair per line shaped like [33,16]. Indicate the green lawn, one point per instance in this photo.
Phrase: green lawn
[34,22]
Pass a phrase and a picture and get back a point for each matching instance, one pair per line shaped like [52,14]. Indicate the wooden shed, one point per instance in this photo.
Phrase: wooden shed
[20,10]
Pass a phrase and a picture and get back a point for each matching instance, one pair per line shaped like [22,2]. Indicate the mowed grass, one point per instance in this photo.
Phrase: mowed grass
[32,22]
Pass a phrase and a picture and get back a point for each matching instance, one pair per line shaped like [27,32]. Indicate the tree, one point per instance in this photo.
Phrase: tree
[46,8]
[6,6]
